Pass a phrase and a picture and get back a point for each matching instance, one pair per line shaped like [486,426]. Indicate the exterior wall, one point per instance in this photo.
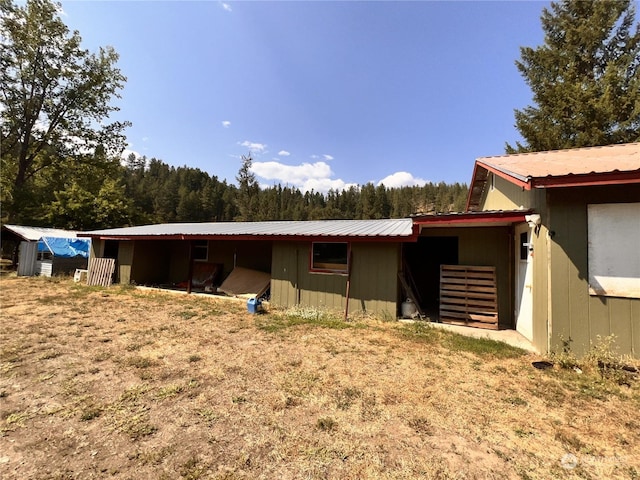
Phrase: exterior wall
[97,248]
[66,266]
[486,246]
[507,196]
[254,254]
[178,255]
[374,279]
[151,262]
[125,261]
[575,314]
[167,261]
[541,297]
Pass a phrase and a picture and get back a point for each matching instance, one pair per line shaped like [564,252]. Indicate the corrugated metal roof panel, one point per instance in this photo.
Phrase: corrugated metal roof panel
[317,228]
[576,161]
[34,234]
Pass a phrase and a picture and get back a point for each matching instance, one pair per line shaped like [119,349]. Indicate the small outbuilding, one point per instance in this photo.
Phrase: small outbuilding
[46,251]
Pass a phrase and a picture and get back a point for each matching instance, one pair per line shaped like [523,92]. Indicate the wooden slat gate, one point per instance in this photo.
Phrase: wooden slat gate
[469,296]
[101,271]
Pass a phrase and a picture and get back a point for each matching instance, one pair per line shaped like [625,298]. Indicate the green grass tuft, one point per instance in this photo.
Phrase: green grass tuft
[302,316]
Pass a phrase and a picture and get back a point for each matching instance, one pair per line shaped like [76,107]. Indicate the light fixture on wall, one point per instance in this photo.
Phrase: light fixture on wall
[534,220]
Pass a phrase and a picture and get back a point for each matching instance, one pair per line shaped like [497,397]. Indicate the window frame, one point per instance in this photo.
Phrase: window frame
[203,246]
[329,267]
[613,269]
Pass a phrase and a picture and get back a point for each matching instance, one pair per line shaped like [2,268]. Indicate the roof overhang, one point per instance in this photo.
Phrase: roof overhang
[586,180]
[473,219]
[383,230]
[287,238]
[482,169]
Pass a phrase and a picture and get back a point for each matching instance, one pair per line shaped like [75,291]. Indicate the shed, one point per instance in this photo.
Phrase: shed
[47,251]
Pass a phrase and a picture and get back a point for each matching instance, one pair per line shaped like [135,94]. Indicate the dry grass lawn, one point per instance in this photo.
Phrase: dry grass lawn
[126,384]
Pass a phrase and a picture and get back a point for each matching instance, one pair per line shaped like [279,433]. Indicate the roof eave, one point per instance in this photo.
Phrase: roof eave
[291,238]
[472,219]
[587,180]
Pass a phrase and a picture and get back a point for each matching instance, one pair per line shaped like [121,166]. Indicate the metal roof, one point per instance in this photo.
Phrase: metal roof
[33,234]
[392,228]
[576,161]
[606,165]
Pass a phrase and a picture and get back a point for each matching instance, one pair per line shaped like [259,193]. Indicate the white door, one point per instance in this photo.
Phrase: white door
[524,281]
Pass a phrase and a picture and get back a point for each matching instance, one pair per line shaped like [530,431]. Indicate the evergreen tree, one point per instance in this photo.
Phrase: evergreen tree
[248,190]
[585,78]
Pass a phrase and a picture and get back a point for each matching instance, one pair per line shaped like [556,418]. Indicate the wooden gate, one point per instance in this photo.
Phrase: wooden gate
[469,296]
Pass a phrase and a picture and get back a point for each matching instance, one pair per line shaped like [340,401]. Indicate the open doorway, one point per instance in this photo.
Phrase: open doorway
[111,250]
[422,262]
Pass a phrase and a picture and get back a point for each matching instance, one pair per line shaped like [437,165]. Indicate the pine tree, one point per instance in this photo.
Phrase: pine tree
[248,190]
[585,78]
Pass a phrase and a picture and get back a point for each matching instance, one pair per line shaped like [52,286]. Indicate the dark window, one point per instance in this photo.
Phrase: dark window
[524,245]
[111,248]
[200,250]
[330,257]
[44,256]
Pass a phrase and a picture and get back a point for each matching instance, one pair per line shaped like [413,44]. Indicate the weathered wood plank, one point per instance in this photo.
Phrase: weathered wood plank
[467,301]
[466,267]
[463,294]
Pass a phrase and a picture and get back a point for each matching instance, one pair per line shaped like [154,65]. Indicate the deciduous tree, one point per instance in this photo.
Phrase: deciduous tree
[55,98]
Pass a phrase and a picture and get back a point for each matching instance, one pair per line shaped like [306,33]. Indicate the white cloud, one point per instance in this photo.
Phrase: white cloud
[306,176]
[324,156]
[283,153]
[124,156]
[291,174]
[254,147]
[126,152]
[225,6]
[226,123]
[323,185]
[401,179]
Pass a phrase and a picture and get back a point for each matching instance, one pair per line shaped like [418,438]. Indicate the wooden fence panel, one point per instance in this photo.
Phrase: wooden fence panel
[101,271]
[469,296]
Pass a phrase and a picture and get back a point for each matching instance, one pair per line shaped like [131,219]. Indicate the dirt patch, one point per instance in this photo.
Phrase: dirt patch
[119,383]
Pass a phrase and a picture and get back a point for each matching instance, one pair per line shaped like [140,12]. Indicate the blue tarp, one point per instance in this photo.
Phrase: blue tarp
[65,247]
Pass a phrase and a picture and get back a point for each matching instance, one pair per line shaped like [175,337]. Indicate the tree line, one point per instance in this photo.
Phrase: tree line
[159,193]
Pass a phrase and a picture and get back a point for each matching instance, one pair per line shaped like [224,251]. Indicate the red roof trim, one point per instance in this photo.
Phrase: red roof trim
[526,184]
[472,188]
[474,217]
[591,179]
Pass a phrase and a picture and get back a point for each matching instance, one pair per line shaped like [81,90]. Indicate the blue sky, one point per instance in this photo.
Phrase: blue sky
[322,94]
